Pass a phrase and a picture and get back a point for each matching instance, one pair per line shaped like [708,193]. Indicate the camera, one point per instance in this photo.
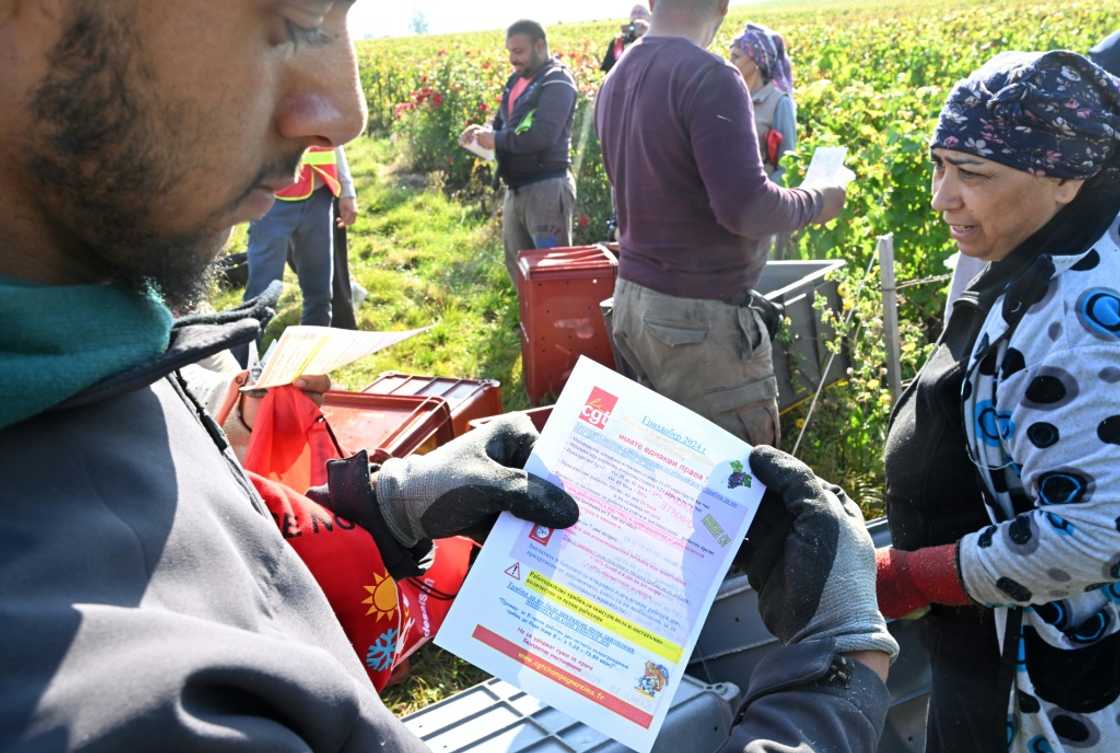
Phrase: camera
[631,34]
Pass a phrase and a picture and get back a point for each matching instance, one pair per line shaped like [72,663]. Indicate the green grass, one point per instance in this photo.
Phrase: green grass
[435,675]
[425,260]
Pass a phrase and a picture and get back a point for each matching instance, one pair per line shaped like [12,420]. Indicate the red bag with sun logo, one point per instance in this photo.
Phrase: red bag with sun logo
[385,621]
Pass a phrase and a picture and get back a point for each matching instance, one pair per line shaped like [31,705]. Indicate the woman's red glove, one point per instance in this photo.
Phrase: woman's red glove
[909,581]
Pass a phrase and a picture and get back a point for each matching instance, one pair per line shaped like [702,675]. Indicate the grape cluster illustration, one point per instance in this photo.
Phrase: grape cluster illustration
[738,477]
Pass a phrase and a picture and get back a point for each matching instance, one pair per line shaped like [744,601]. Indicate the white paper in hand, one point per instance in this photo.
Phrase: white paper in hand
[827,168]
[320,350]
[475,148]
[599,620]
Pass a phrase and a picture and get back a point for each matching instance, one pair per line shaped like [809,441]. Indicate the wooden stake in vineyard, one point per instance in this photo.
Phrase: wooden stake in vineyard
[890,316]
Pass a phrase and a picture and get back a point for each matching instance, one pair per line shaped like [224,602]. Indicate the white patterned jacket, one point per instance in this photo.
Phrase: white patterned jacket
[1041,404]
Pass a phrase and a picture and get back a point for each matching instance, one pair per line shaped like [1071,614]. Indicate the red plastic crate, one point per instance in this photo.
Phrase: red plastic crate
[539,417]
[467,398]
[560,290]
[387,425]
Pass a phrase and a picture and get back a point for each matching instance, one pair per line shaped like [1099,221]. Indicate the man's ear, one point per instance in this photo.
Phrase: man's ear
[723,6]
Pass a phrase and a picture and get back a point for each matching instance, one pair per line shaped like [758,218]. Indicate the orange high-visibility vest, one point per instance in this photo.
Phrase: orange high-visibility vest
[318,161]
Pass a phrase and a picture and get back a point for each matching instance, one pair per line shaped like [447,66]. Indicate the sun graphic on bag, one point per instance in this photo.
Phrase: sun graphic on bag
[382,599]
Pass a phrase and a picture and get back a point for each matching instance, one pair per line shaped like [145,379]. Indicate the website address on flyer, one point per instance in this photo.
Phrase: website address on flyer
[562,677]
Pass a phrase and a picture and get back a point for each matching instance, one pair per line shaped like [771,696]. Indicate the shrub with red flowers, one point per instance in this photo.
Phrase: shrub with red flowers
[425,102]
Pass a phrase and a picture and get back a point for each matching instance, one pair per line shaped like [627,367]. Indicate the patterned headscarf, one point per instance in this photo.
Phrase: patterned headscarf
[768,51]
[1051,113]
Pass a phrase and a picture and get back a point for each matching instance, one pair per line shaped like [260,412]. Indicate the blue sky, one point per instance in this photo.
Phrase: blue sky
[378,18]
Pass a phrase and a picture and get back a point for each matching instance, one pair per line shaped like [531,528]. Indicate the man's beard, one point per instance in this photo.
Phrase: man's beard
[103,161]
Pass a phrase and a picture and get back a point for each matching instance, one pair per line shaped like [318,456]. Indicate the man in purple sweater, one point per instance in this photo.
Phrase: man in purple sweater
[695,208]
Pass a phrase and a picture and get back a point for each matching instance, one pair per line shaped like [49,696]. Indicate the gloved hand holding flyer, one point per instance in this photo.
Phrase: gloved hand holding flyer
[600,619]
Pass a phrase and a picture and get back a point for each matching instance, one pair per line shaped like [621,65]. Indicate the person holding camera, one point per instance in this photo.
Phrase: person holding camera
[629,33]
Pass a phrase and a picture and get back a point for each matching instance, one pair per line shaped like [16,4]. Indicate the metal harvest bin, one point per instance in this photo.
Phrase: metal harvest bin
[496,717]
[800,354]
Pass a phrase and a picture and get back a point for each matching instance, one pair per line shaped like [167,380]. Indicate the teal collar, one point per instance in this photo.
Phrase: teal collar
[56,341]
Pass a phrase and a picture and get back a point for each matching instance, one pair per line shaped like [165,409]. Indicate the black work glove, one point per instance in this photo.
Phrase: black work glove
[458,489]
[811,560]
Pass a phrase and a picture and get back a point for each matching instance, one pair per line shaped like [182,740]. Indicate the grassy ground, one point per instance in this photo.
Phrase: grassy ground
[425,259]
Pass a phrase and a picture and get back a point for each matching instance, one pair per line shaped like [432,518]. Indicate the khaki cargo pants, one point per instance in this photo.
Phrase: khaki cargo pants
[711,357]
[538,215]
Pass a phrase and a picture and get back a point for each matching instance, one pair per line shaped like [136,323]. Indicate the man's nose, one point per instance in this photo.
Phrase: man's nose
[323,103]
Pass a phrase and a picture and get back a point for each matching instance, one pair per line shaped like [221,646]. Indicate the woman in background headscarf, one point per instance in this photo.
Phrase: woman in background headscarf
[1003,456]
[760,55]
[629,33]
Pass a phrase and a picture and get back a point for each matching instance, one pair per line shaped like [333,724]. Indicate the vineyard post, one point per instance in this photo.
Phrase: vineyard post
[890,315]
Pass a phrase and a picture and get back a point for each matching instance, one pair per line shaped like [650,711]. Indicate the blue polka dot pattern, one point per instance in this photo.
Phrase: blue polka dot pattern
[1054,613]
[993,427]
[1016,590]
[1060,524]
[1051,388]
[1022,535]
[1088,262]
[1065,486]
[1098,310]
[1112,568]
[1013,363]
[1108,431]
[1074,730]
[1039,744]
[1043,434]
[1092,629]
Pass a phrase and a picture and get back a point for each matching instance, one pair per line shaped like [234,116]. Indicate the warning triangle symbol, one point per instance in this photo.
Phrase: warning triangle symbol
[514,571]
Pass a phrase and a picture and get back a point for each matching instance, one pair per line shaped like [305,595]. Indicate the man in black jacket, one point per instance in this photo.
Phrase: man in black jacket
[531,136]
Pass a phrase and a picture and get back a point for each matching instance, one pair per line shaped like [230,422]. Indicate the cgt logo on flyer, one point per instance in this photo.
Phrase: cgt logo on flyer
[597,410]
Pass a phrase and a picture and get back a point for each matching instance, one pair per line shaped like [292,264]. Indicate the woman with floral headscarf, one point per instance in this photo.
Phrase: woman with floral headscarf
[760,55]
[1003,456]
